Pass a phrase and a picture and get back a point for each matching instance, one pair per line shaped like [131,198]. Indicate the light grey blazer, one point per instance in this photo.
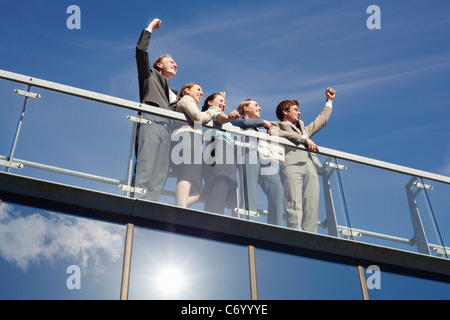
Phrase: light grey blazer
[293,133]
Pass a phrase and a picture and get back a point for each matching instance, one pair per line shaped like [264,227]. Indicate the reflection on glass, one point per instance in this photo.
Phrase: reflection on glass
[395,286]
[168,266]
[289,277]
[48,255]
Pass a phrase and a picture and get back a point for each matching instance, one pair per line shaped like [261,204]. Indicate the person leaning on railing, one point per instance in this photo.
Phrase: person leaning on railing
[264,171]
[187,167]
[152,146]
[299,169]
[219,173]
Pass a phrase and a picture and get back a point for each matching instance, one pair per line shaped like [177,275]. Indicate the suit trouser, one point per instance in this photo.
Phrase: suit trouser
[301,195]
[152,158]
[269,180]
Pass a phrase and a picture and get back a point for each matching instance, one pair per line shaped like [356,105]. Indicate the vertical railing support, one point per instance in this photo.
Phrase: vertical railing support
[419,239]
[19,125]
[330,222]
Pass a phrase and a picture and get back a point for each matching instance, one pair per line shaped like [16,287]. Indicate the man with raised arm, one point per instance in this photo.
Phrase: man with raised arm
[152,144]
[299,169]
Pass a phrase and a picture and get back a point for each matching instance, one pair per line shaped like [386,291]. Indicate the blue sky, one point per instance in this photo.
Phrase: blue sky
[392,84]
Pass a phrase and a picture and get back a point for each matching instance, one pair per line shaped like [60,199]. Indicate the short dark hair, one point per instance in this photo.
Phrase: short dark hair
[285,105]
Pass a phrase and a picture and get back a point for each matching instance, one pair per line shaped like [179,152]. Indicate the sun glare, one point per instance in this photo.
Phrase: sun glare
[171,281]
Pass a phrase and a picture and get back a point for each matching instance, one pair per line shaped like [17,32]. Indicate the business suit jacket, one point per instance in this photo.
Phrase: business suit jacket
[153,87]
[294,133]
[152,145]
[299,173]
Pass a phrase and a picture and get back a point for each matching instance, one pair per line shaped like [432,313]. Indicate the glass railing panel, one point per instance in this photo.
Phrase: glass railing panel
[49,255]
[11,106]
[223,158]
[206,169]
[305,185]
[379,207]
[170,266]
[260,190]
[79,135]
[434,210]
[333,213]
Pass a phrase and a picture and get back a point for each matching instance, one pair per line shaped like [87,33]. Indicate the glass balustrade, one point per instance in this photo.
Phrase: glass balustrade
[51,255]
[68,138]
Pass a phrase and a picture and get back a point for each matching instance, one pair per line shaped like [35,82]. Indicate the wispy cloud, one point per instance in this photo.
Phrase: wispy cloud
[35,238]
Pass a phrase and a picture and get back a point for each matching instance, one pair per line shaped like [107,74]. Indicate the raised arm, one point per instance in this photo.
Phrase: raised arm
[143,63]
[322,119]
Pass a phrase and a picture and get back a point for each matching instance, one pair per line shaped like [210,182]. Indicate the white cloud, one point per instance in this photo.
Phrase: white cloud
[32,239]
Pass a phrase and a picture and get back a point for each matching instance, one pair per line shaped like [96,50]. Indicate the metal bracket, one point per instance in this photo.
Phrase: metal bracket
[246,212]
[244,144]
[27,94]
[132,189]
[11,164]
[423,186]
[336,166]
[441,250]
[139,120]
[347,232]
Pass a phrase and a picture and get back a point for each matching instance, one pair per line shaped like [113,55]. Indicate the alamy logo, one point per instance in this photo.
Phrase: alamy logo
[374,21]
[74,280]
[224,147]
[374,280]
[74,20]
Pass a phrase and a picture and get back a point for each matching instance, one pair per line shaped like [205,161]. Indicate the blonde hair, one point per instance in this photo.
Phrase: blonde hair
[187,86]
[160,59]
[243,104]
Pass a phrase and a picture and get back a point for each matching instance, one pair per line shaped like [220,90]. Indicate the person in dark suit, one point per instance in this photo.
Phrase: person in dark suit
[152,144]
[299,169]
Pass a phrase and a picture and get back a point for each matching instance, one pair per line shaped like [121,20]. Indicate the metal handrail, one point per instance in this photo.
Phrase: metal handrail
[139,107]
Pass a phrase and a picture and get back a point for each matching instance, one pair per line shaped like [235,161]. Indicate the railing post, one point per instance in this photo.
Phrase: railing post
[19,125]
[330,222]
[420,239]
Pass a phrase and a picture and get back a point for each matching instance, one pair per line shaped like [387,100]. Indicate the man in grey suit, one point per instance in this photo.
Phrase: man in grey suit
[299,170]
[152,144]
